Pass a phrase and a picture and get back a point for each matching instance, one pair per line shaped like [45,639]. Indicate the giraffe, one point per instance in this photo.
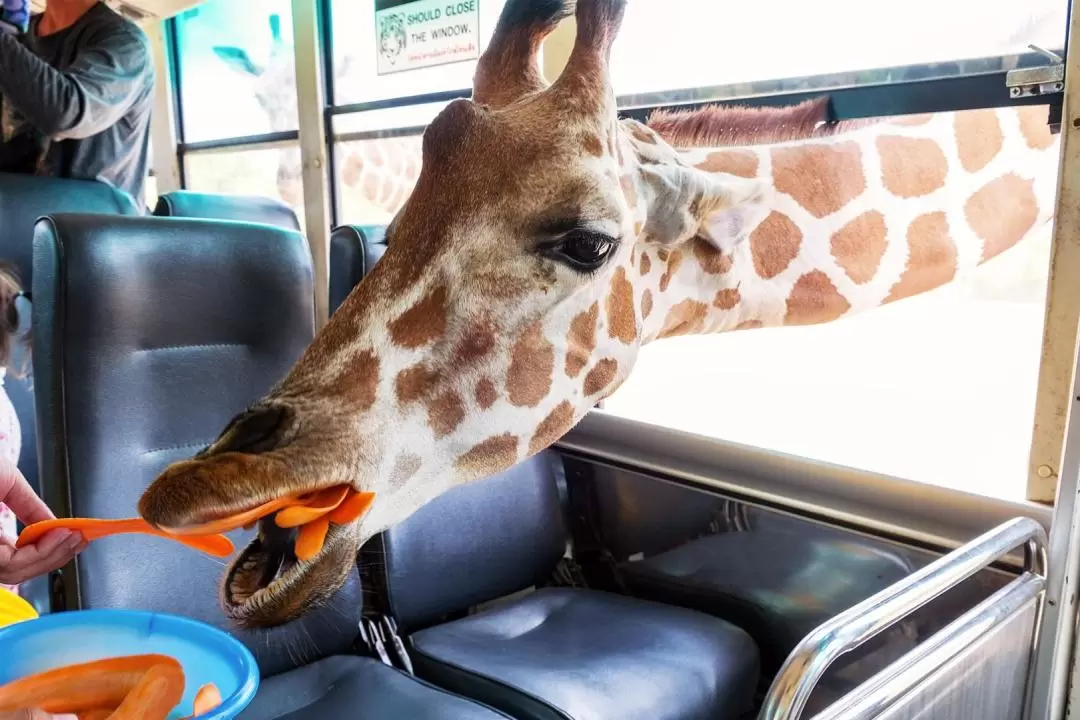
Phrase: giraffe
[544,243]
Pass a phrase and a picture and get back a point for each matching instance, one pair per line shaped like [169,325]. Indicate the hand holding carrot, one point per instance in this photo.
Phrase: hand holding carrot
[52,551]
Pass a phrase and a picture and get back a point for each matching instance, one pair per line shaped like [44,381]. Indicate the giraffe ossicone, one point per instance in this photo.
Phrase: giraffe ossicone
[545,241]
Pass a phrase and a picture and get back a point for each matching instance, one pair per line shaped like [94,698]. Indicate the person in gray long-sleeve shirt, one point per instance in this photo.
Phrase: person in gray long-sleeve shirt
[76,93]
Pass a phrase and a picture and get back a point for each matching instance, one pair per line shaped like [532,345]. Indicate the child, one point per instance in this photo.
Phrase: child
[10,433]
[57,547]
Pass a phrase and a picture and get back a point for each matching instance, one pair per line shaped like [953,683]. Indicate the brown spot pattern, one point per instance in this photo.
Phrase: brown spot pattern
[931,257]
[978,138]
[532,361]
[912,120]
[735,162]
[629,190]
[859,246]
[646,303]
[359,380]
[600,376]
[490,456]
[486,394]
[553,427]
[414,383]
[673,264]
[581,340]
[646,263]
[911,167]
[709,258]
[662,253]
[1002,212]
[749,325]
[774,244]
[821,178]
[476,343]
[685,318]
[727,298]
[593,146]
[445,413]
[423,323]
[622,323]
[405,466]
[1034,128]
[814,299]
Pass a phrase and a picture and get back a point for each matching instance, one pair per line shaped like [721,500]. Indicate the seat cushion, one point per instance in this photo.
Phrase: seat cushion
[586,655]
[778,586]
[347,687]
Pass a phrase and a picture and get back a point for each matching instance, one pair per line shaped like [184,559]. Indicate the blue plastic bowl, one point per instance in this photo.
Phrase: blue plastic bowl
[67,638]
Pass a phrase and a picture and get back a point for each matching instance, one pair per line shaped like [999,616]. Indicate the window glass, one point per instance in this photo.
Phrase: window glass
[675,44]
[237,69]
[377,159]
[262,171]
[357,47]
[937,388]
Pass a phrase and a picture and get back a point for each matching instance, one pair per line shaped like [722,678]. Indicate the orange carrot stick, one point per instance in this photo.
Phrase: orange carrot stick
[207,698]
[320,504]
[85,686]
[237,521]
[310,539]
[158,691]
[94,529]
[353,507]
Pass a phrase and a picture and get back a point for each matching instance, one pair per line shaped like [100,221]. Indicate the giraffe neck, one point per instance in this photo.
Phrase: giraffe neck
[871,216]
[382,173]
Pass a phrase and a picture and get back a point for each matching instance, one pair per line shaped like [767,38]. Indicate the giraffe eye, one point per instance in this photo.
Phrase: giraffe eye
[583,250]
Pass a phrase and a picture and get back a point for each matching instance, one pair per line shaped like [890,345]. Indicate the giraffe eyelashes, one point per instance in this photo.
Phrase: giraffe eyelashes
[582,250]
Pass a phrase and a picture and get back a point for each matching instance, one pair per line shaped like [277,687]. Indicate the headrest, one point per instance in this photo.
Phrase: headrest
[245,208]
[354,250]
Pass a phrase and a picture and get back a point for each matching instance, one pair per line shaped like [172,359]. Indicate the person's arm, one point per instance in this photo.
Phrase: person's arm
[90,96]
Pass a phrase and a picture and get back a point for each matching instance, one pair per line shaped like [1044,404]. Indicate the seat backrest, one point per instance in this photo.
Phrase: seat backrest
[476,543]
[23,199]
[152,334]
[246,208]
[354,250]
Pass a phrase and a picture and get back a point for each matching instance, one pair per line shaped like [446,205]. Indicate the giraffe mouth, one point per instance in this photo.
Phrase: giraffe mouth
[267,585]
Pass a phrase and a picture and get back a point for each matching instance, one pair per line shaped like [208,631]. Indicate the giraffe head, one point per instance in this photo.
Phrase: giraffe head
[503,310]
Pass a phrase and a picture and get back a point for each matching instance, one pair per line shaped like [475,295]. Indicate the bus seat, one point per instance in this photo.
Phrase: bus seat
[354,250]
[244,208]
[154,332]
[776,585]
[23,199]
[777,579]
[556,652]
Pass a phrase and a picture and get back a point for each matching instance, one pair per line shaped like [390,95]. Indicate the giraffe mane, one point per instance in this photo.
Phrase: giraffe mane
[726,125]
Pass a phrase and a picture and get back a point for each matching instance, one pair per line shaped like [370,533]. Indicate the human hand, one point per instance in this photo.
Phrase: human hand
[34,715]
[54,550]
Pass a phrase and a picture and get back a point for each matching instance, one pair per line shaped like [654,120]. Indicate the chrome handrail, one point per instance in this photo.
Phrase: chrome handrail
[881,691]
[810,659]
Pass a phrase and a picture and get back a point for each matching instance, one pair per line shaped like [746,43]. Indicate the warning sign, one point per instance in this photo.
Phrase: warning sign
[424,33]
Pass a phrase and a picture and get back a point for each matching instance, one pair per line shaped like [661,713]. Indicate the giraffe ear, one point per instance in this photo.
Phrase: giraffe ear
[684,202]
[239,60]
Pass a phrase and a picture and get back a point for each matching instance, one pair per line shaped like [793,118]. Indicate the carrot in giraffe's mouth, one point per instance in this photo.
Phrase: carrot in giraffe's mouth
[306,516]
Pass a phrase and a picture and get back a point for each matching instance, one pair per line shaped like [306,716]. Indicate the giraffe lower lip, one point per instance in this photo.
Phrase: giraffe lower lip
[268,559]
